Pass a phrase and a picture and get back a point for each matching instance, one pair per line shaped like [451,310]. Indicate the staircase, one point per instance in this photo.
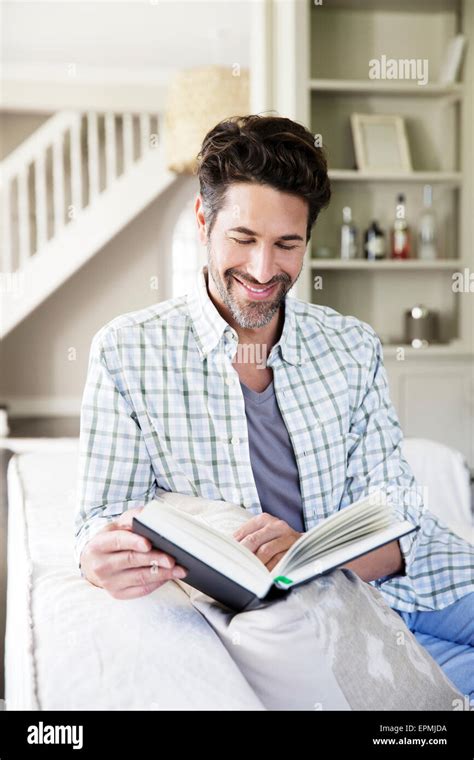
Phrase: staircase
[66,191]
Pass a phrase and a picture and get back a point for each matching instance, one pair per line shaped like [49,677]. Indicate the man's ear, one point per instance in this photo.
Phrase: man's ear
[200,219]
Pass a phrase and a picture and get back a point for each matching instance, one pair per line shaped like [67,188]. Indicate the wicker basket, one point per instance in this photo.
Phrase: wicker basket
[197,100]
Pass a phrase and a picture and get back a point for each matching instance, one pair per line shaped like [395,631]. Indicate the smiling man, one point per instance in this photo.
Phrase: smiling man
[240,392]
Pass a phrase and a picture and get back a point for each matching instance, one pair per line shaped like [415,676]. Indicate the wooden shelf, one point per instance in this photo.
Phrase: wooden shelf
[372,87]
[455,348]
[437,177]
[387,264]
[408,6]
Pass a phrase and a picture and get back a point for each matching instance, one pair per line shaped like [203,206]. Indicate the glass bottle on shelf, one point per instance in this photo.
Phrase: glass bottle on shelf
[348,235]
[374,242]
[400,235]
[427,238]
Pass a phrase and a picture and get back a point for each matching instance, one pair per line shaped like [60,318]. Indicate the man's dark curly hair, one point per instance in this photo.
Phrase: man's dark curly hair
[270,150]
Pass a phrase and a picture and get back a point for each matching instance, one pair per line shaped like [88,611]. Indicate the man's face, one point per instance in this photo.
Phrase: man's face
[255,251]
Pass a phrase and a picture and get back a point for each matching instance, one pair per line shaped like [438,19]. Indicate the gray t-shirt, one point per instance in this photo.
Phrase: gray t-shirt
[273,460]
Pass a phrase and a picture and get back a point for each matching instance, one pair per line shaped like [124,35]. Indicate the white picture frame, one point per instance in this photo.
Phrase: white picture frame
[380,143]
[452,60]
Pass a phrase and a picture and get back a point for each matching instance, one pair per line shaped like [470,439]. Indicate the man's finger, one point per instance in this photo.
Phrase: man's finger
[125,519]
[275,560]
[124,560]
[255,523]
[143,576]
[118,540]
[268,550]
[254,540]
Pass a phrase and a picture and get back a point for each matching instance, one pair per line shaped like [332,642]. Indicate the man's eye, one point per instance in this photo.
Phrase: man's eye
[280,245]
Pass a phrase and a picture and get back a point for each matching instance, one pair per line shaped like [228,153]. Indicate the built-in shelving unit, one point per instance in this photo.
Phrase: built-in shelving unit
[343,36]
[312,65]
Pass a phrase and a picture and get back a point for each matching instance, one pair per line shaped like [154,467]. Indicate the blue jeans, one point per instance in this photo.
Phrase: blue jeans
[448,635]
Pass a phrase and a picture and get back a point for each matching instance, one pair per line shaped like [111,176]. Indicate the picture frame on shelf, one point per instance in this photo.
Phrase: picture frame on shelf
[380,143]
[452,60]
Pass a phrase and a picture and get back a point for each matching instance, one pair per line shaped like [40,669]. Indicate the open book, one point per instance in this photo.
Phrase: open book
[198,533]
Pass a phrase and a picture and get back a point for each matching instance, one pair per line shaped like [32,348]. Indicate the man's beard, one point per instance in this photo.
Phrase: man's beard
[253,314]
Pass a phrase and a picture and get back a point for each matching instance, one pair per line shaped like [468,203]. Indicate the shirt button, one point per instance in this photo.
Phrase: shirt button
[235,441]
[229,381]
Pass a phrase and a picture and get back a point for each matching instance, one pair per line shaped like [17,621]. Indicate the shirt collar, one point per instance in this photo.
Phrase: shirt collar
[209,326]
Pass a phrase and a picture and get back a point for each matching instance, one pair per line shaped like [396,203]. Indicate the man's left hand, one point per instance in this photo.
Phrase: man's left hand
[268,537]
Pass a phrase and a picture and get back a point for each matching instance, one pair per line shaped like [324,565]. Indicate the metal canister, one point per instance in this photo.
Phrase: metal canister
[421,326]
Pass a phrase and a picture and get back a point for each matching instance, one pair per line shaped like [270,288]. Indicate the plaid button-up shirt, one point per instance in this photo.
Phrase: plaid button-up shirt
[163,407]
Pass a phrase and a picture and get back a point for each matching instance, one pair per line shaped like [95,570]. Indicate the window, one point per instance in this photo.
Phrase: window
[188,254]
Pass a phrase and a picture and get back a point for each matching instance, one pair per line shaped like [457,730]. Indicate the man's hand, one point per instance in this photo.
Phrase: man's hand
[268,537]
[124,563]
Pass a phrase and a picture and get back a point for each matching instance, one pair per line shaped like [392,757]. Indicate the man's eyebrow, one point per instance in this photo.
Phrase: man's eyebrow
[246,231]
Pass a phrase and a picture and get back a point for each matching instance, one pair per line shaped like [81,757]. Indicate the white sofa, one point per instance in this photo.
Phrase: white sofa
[71,646]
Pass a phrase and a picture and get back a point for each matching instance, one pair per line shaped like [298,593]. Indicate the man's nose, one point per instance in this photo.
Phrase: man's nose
[261,266]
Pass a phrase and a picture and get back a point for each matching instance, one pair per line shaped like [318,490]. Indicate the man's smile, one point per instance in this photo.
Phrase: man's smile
[254,292]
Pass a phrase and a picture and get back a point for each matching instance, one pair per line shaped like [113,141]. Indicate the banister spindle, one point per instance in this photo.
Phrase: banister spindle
[155,126]
[7,257]
[58,183]
[110,149]
[40,201]
[127,141]
[76,167]
[144,133]
[92,155]
[23,216]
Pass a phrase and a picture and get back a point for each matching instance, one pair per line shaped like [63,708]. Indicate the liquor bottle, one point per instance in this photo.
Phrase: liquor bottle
[348,235]
[374,242]
[400,237]
[427,238]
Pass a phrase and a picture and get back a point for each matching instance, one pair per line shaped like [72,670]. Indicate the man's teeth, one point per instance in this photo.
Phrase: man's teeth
[257,290]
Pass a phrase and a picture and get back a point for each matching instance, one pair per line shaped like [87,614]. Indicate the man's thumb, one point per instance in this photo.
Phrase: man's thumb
[125,519]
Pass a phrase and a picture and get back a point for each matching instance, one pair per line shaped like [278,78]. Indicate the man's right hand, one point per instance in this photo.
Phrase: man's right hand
[124,563]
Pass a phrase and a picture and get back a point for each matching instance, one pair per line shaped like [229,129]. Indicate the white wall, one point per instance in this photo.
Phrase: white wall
[15,127]
[114,54]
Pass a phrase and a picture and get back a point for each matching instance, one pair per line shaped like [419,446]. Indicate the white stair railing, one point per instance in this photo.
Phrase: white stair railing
[60,171]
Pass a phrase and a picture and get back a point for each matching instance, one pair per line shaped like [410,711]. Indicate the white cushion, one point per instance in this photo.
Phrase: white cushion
[444,475]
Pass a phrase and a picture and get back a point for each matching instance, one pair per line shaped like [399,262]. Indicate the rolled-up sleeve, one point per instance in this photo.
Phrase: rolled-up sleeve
[114,467]
[375,460]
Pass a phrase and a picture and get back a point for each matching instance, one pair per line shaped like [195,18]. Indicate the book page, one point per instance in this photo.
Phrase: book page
[220,515]
[337,557]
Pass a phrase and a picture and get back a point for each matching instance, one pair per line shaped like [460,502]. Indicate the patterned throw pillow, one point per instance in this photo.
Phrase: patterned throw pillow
[332,644]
